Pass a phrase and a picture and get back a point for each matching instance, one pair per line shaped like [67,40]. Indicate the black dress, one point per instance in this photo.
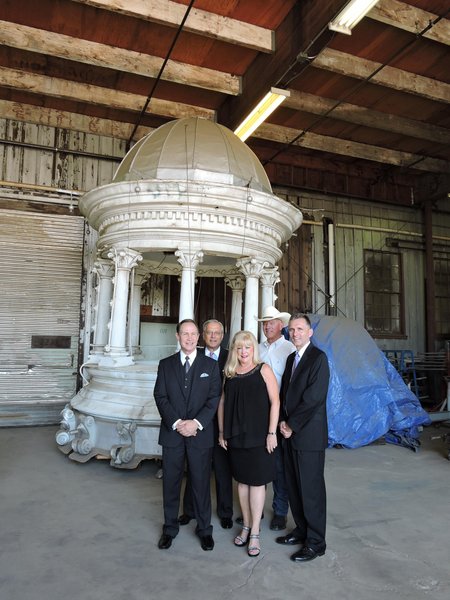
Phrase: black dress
[246,424]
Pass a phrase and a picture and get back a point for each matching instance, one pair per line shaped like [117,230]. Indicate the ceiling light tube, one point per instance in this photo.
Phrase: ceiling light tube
[262,110]
[351,15]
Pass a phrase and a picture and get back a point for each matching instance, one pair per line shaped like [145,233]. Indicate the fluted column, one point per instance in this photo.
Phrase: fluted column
[124,259]
[237,284]
[134,310]
[104,270]
[251,269]
[268,279]
[189,261]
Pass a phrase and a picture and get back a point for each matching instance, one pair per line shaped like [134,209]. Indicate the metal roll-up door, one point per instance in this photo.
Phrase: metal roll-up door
[40,270]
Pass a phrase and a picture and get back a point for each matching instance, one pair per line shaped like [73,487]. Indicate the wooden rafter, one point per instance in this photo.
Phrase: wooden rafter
[397,79]
[62,88]
[324,143]
[102,55]
[412,19]
[360,115]
[201,22]
[69,120]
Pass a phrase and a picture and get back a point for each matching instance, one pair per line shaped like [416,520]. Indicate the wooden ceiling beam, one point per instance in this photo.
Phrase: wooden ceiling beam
[102,55]
[397,79]
[360,115]
[200,22]
[412,19]
[62,119]
[82,92]
[314,141]
[303,31]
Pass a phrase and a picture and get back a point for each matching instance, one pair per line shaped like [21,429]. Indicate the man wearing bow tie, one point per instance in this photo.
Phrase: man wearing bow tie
[303,425]
[187,393]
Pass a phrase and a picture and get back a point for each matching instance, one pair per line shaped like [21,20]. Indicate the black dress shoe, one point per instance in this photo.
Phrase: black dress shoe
[306,553]
[278,523]
[165,541]
[184,519]
[226,523]
[289,540]
[207,542]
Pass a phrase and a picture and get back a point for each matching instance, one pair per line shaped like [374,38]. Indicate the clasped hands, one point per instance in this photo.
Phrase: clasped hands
[187,428]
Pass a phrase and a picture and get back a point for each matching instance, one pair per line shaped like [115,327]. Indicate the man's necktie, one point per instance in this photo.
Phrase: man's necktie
[186,365]
[294,366]
[212,355]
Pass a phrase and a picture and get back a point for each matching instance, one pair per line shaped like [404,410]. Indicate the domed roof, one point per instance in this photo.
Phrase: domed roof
[194,149]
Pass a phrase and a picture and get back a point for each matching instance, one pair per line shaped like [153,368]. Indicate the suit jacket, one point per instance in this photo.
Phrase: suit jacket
[304,399]
[199,401]
[222,360]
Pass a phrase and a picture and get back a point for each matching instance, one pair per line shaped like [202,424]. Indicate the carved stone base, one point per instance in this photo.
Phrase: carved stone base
[113,417]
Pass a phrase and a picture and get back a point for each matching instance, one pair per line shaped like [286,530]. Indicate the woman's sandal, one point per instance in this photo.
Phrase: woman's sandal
[253,550]
[240,540]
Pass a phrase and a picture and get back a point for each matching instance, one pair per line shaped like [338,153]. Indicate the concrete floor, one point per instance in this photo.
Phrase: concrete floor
[89,532]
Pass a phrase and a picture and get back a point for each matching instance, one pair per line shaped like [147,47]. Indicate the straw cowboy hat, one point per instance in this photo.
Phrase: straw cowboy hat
[270,312]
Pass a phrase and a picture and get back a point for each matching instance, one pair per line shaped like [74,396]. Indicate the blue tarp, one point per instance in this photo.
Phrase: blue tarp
[367,398]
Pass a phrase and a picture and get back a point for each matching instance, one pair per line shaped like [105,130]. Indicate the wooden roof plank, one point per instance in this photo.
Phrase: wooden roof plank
[360,115]
[412,19]
[200,22]
[397,79]
[102,55]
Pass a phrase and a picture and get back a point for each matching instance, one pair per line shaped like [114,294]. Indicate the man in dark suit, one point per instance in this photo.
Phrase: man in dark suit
[213,336]
[187,393]
[303,425]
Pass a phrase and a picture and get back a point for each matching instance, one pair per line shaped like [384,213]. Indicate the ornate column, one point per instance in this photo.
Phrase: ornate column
[124,259]
[251,268]
[134,310]
[269,278]
[104,270]
[237,284]
[189,260]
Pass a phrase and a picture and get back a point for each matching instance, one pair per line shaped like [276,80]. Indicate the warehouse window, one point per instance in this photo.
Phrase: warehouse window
[383,294]
[442,295]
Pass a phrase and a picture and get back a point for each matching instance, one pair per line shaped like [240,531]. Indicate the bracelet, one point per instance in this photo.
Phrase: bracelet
[271,433]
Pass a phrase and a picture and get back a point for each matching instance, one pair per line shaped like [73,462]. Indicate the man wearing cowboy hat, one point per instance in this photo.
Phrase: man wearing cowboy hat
[274,351]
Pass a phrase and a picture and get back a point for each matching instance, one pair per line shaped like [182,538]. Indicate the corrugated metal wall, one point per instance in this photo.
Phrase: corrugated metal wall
[40,274]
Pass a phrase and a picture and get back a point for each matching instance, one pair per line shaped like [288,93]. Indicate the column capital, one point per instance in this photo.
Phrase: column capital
[189,259]
[251,267]
[103,268]
[270,277]
[235,281]
[140,274]
[125,258]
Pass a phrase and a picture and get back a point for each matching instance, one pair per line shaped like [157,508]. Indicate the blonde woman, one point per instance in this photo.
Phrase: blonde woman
[248,418]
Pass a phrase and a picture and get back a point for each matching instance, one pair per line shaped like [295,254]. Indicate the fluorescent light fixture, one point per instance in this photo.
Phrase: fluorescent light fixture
[351,15]
[262,110]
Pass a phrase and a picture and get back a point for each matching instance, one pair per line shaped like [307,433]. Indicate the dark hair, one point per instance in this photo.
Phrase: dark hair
[186,321]
[300,315]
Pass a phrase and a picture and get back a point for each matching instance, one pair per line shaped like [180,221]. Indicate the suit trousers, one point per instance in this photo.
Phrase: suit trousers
[307,493]
[224,486]
[198,462]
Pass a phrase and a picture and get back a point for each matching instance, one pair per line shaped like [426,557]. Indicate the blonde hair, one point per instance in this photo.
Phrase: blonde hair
[240,338]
